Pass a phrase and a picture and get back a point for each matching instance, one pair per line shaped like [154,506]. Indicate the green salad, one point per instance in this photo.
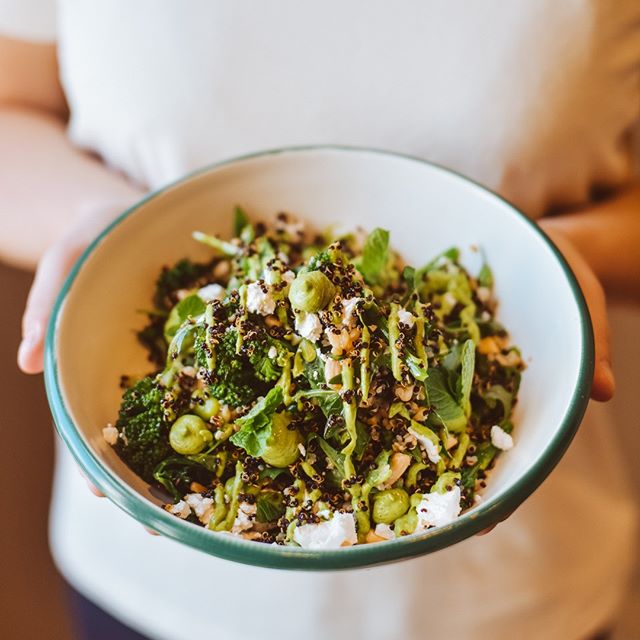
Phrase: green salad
[314,391]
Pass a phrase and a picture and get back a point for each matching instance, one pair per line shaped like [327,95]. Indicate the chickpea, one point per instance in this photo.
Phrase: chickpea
[189,435]
[389,505]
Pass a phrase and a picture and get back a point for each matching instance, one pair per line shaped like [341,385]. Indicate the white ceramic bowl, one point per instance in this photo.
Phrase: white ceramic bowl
[91,341]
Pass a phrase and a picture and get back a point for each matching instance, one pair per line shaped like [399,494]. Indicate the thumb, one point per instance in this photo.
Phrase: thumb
[52,270]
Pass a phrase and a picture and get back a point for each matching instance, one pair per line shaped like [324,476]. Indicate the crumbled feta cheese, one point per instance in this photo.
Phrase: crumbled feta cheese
[432,449]
[245,518]
[483,293]
[302,450]
[485,316]
[349,311]
[258,301]
[272,353]
[308,326]
[283,257]
[212,292]
[289,276]
[438,509]
[180,509]
[384,531]
[406,317]
[340,531]
[325,514]
[202,507]
[110,434]
[500,438]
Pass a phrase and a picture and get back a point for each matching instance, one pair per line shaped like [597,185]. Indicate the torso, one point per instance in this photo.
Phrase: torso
[531,98]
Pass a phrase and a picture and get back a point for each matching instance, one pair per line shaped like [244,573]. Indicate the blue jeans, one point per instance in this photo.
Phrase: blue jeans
[90,622]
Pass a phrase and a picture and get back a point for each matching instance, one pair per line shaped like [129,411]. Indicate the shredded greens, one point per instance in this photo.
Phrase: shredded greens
[306,382]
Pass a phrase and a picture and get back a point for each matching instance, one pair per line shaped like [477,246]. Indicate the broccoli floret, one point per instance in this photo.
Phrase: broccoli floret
[183,275]
[151,337]
[232,381]
[144,431]
[265,367]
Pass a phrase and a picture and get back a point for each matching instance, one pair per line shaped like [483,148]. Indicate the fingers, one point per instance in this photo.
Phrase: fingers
[487,530]
[96,492]
[484,532]
[603,386]
[51,272]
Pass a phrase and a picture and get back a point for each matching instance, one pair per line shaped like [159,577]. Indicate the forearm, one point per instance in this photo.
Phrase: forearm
[608,237]
[46,184]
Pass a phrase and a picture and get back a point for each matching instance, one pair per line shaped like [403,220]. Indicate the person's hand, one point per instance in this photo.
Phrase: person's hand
[53,268]
[603,386]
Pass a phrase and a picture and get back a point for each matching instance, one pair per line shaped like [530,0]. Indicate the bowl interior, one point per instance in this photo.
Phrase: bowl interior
[427,209]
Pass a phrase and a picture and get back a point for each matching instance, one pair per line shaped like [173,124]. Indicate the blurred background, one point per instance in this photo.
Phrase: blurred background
[33,594]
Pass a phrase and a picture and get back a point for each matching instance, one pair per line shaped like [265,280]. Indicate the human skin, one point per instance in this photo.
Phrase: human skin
[55,198]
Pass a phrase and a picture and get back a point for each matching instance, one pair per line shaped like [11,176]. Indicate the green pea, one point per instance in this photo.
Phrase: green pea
[282,446]
[406,524]
[389,505]
[189,435]
[208,409]
[311,291]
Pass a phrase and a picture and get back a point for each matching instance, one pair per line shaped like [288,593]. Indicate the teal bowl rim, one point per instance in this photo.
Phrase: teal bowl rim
[236,549]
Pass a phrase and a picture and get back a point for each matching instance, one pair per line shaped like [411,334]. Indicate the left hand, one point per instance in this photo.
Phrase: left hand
[603,386]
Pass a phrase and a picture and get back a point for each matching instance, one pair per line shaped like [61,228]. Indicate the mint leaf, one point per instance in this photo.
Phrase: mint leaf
[375,255]
[447,410]
[497,393]
[336,459]
[262,410]
[256,426]
[191,306]
[269,506]
[253,441]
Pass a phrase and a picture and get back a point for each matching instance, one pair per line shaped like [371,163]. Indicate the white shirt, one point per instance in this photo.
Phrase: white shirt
[533,98]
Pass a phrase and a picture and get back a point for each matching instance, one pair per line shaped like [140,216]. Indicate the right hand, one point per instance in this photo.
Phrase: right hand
[53,268]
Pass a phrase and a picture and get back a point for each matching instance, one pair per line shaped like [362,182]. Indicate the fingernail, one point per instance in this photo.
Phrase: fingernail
[30,341]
